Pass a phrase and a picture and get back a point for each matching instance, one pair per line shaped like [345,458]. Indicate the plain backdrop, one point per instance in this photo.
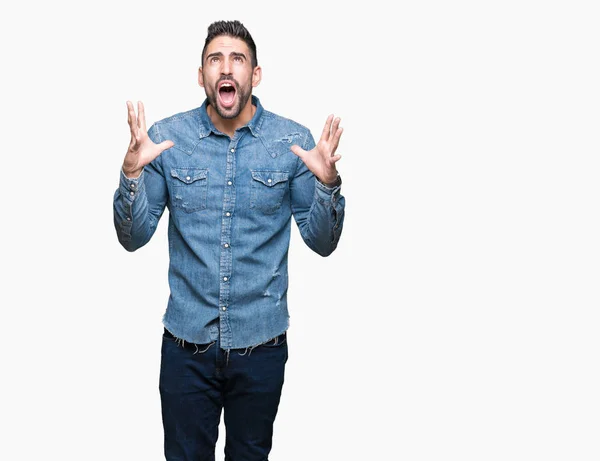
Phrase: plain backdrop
[457,320]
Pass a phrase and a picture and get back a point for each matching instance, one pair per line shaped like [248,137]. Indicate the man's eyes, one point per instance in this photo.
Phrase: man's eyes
[216,59]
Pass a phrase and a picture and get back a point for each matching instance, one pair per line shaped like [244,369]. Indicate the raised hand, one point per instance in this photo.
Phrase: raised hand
[321,160]
[141,148]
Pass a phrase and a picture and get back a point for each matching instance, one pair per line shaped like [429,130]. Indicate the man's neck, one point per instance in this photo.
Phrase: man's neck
[229,125]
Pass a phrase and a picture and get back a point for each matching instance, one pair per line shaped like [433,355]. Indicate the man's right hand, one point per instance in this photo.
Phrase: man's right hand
[141,148]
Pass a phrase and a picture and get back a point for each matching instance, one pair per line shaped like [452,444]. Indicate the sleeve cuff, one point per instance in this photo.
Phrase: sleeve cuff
[328,193]
[331,186]
[131,187]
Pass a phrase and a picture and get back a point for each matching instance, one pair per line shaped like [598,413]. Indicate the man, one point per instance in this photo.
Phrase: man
[232,175]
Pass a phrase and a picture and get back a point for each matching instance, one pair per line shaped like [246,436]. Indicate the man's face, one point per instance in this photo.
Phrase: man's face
[227,75]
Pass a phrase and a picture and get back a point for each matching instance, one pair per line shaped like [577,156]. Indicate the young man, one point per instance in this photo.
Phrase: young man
[232,175]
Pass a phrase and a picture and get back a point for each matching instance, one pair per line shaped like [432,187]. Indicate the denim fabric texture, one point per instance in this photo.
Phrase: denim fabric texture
[197,381]
[230,203]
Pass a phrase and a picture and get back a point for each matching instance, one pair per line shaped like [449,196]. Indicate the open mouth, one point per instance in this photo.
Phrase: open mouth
[227,92]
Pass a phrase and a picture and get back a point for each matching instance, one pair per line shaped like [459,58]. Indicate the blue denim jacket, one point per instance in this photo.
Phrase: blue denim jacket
[230,204]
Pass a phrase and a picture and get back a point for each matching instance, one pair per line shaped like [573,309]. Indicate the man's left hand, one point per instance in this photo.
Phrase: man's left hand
[321,160]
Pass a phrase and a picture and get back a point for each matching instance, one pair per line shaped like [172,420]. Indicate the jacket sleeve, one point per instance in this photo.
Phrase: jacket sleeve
[317,209]
[139,203]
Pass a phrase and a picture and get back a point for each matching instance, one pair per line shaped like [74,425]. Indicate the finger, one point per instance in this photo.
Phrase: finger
[327,129]
[141,117]
[165,145]
[336,124]
[129,108]
[334,127]
[298,151]
[159,149]
[131,119]
[336,139]
[335,158]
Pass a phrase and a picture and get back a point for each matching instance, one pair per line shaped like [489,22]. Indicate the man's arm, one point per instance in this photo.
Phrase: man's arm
[317,203]
[142,194]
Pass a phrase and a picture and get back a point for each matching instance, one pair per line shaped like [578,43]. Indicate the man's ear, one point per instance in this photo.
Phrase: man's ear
[256,76]
[200,77]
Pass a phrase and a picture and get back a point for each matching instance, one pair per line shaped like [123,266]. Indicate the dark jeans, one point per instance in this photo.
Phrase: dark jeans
[197,381]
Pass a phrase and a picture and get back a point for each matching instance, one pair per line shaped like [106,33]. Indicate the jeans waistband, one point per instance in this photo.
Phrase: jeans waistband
[279,338]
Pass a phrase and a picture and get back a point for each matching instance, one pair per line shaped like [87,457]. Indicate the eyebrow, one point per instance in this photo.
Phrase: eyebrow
[220,54]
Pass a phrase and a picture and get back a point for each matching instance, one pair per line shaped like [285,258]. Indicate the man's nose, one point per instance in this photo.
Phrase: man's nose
[225,69]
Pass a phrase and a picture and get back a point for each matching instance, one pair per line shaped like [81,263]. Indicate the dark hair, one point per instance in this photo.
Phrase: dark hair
[232,29]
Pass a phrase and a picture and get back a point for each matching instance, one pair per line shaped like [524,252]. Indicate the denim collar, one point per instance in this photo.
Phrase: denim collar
[207,126]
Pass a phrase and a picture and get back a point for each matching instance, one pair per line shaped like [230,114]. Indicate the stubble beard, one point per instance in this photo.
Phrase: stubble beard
[242,95]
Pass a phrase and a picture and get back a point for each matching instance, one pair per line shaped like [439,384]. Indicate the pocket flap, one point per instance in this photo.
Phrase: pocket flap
[189,175]
[269,178]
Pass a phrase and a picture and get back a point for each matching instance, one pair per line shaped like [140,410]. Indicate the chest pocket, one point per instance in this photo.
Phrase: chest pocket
[189,187]
[268,190]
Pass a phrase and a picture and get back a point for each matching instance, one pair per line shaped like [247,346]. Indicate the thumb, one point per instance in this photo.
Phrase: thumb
[165,145]
[298,151]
